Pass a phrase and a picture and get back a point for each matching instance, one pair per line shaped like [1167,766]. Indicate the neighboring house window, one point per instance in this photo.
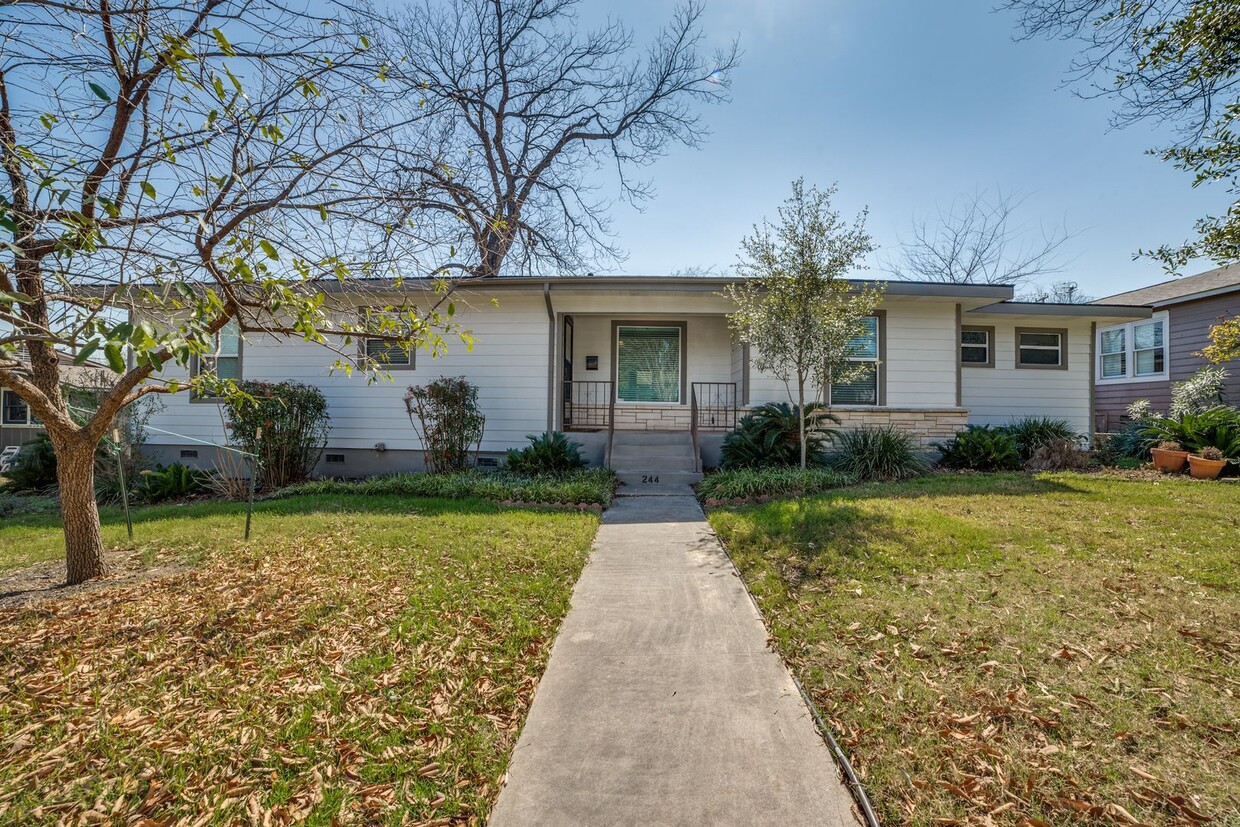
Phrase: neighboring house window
[648,364]
[1133,351]
[14,410]
[977,347]
[863,389]
[1041,348]
[224,360]
[388,354]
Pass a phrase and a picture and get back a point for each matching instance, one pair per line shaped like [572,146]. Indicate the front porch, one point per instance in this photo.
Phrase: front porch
[648,373]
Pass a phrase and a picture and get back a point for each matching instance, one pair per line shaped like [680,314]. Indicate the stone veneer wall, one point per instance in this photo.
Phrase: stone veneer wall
[927,426]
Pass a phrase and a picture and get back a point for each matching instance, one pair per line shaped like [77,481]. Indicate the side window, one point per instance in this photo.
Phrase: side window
[224,360]
[386,354]
[13,409]
[1041,348]
[977,347]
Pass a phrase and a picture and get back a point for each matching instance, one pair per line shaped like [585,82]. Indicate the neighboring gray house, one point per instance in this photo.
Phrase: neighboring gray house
[1140,359]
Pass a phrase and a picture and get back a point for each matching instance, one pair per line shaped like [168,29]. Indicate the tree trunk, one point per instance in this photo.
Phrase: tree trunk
[75,473]
[801,417]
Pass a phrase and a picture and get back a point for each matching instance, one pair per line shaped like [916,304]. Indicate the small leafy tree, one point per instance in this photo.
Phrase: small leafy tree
[794,309]
[447,419]
[1201,391]
[283,424]
[1224,341]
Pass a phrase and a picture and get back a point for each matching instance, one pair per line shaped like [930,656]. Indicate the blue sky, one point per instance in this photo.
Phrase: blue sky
[906,104]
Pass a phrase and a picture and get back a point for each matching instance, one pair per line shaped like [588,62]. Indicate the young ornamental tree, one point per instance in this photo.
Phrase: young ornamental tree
[171,167]
[795,309]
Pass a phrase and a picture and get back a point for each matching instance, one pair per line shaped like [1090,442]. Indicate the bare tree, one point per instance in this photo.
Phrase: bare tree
[174,166]
[978,240]
[533,110]
[1061,292]
[1175,62]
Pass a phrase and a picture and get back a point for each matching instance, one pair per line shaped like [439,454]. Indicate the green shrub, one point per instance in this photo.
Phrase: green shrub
[449,422]
[770,437]
[1130,443]
[1032,432]
[873,453]
[552,454]
[34,468]
[173,482]
[1217,427]
[284,424]
[748,483]
[594,485]
[981,448]
[20,505]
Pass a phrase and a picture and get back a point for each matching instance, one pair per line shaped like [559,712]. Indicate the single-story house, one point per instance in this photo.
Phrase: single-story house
[19,425]
[1141,358]
[638,360]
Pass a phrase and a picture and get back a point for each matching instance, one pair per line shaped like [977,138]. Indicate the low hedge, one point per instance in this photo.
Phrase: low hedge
[593,487]
[754,483]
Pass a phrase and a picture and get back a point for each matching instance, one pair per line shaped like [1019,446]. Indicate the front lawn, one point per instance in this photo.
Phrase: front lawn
[1015,650]
[364,660]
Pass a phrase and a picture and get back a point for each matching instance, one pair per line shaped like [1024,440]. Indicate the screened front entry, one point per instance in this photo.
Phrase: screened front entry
[648,364]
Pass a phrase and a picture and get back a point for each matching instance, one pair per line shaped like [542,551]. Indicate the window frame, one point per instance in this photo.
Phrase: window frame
[1130,350]
[989,330]
[196,365]
[880,378]
[363,348]
[681,326]
[29,422]
[1061,332]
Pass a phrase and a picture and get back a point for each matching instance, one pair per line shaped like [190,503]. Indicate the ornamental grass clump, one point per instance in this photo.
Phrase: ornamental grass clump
[283,424]
[871,453]
[753,483]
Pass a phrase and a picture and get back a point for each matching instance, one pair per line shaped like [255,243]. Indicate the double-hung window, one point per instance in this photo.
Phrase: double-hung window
[861,387]
[14,410]
[648,364]
[1133,351]
[1041,348]
[977,347]
[223,361]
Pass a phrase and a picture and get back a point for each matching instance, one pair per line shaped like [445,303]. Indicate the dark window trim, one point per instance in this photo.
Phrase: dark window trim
[616,324]
[195,367]
[989,330]
[363,356]
[879,370]
[1062,332]
[28,422]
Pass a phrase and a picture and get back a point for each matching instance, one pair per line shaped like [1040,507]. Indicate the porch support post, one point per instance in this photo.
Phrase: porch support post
[552,353]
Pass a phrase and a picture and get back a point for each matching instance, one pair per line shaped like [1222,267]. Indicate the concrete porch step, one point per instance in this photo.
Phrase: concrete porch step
[635,482]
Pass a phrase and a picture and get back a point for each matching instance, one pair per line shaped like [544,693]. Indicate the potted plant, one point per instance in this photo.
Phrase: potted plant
[1169,456]
[1207,466]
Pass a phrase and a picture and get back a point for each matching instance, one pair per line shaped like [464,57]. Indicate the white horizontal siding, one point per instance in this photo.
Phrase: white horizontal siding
[920,358]
[998,395]
[508,363]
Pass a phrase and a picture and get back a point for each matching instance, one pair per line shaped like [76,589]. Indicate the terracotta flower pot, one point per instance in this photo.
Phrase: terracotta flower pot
[1206,469]
[1169,462]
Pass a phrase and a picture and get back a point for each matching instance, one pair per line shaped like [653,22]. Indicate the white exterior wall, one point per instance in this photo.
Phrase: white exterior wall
[708,346]
[919,362]
[996,396]
[508,363]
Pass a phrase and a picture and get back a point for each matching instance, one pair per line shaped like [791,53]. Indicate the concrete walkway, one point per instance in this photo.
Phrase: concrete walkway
[662,704]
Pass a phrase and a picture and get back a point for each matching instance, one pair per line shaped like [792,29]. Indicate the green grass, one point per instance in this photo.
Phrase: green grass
[585,487]
[364,659]
[1062,647]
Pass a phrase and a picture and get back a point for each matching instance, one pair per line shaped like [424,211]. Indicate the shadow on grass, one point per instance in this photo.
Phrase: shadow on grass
[311,504]
[953,485]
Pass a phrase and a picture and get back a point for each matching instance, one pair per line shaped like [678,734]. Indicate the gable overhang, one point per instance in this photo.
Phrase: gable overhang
[1034,311]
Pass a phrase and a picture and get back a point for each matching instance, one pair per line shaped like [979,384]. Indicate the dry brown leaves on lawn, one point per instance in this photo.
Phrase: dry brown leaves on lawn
[325,681]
